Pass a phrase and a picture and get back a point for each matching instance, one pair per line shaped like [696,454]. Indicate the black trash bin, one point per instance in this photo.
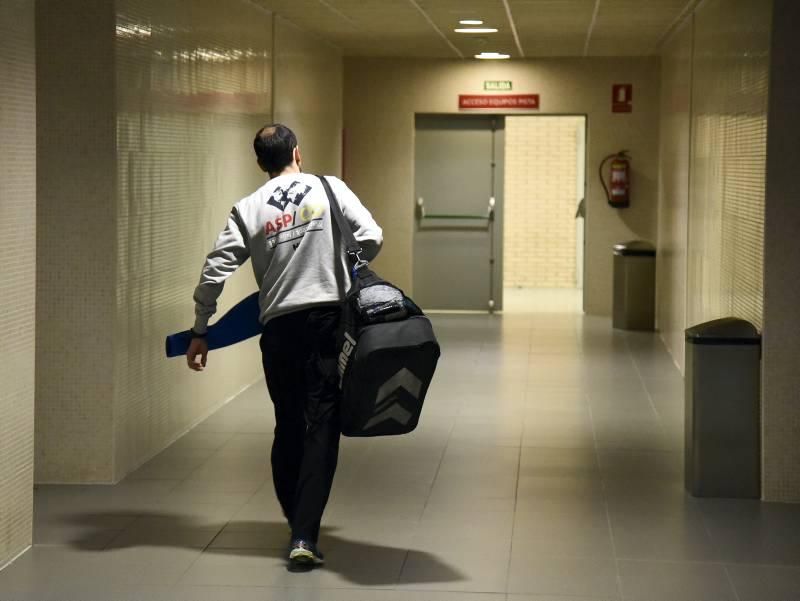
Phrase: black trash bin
[723,416]
[634,286]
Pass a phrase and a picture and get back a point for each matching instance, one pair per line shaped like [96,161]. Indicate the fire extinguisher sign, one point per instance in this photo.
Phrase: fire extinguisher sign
[622,98]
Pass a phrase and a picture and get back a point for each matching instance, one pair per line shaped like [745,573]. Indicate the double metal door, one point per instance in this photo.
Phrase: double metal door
[458,189]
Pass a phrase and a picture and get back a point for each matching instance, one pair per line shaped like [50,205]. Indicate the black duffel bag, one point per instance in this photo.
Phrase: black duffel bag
[387,349]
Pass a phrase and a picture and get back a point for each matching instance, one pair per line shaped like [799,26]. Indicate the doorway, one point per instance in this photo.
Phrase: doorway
[499,219]
[544,228]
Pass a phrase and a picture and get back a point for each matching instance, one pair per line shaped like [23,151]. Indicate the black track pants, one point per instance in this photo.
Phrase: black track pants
[298,352]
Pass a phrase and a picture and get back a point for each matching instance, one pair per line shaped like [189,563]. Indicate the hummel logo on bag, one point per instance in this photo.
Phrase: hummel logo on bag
[344,357]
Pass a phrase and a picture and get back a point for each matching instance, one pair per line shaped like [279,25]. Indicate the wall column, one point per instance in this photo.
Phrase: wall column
[76,272]
[781,386]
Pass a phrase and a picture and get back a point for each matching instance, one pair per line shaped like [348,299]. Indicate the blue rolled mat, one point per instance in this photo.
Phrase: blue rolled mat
[240,323]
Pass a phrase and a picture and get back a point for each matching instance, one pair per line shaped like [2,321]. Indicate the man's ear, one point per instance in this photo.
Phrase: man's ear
[297,158]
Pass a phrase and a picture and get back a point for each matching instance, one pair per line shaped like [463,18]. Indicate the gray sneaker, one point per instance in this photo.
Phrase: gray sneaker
[304,553]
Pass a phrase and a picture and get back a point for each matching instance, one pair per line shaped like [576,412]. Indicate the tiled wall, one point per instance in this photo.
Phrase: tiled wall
[715,74]
[17,286]
[190,95]
[150,143]
[729,127]
[75,234]
[381,97]
[541,168]
[673,192]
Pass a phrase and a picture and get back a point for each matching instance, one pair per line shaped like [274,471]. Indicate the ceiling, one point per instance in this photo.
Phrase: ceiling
[527,28]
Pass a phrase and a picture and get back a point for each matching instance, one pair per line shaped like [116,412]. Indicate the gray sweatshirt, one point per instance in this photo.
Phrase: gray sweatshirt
[299,262]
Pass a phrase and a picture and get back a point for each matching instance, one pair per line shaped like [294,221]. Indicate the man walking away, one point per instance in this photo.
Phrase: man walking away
[300,266]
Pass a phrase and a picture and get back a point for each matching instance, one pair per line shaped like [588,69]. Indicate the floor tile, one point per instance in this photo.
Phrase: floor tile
[258,535]
[187,537]
[351,564]
[637,465]
[549,462]
[390,533]
[644,532]
[400,508]
[126,498]
[634,433]
[236,567]
[73,535]
[447,506]
[88,592]
[639,406]
[490,532]
[557,598]
[455,570]
[240,593]
[765,583]
[674,581]
[48,570]
[75,520]
[177,515]
[542,574]
[561,433]
[582,535]
[558,486]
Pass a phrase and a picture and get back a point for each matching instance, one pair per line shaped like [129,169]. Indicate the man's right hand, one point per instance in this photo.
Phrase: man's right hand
[198,346]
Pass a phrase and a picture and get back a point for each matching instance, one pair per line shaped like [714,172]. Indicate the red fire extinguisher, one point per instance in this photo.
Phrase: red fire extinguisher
[618,192]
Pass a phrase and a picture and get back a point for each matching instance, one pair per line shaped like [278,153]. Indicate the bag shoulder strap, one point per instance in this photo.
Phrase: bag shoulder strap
[351,245]
[350,241]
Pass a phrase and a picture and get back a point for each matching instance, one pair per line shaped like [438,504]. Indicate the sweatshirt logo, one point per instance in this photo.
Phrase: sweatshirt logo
[294,225]
[294,234]
[294,194]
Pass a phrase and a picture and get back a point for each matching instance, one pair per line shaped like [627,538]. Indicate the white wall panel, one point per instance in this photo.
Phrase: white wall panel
[18,281]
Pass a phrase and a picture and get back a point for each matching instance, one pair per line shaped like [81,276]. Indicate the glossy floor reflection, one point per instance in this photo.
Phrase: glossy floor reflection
[548,466]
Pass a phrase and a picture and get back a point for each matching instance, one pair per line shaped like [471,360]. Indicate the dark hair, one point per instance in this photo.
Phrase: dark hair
[274,146]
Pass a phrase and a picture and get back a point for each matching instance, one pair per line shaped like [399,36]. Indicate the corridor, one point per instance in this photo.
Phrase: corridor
[547,467]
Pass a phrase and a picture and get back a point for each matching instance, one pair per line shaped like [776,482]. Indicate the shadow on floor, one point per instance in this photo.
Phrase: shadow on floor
[355,561]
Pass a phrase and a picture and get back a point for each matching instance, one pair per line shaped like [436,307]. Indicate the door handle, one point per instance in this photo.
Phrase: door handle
[489,216]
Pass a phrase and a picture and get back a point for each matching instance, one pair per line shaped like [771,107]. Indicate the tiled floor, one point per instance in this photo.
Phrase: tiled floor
[548,466]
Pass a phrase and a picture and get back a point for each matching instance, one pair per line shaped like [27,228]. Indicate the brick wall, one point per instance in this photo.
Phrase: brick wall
[539,246]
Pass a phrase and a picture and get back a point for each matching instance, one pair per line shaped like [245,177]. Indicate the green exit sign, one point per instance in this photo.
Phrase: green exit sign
[497,85]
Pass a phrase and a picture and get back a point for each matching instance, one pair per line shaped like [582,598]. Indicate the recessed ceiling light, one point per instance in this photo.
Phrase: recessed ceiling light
[471,22]
[492,55]
[475,30]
